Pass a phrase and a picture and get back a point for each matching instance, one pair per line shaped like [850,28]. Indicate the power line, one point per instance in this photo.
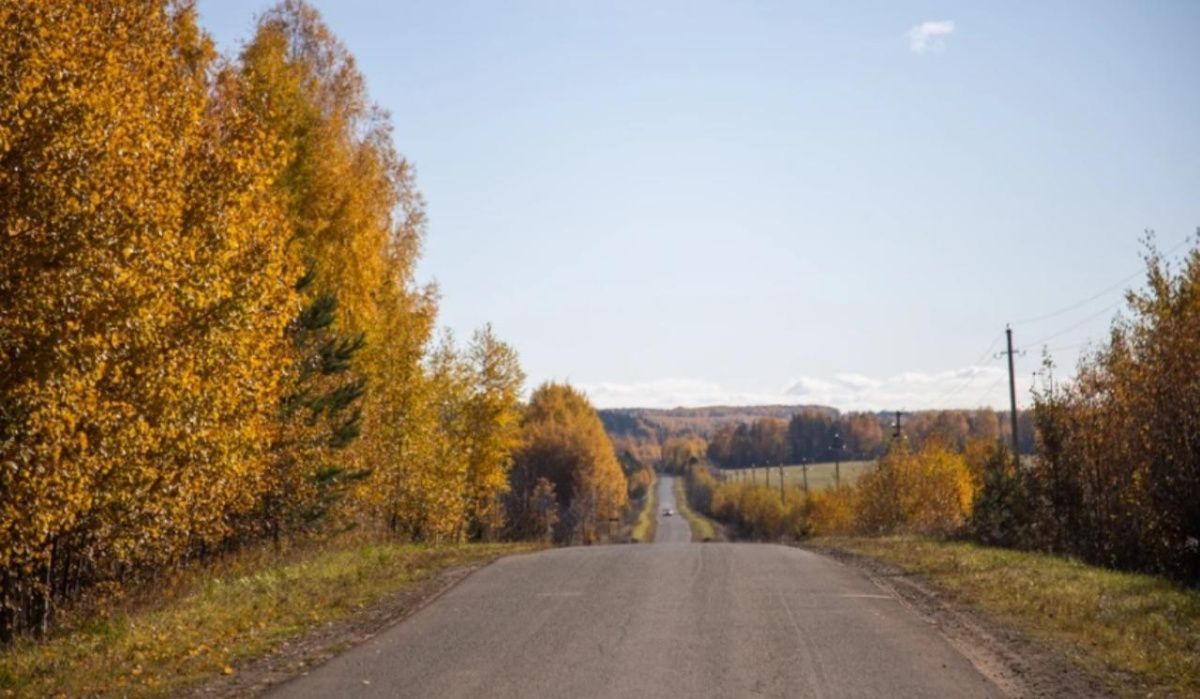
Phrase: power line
[1069,328]
[1102,292]
[1063,348]
[941,401]
[994,385]
[955,390]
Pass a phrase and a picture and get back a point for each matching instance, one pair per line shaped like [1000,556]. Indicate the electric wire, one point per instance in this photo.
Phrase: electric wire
[955,390]
[1102,292]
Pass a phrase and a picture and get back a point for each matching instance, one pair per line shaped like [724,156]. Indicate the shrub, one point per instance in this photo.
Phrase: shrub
[927,492]
[832,512]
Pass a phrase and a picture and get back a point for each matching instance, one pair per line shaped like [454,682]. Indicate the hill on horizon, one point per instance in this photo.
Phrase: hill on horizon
[644,422]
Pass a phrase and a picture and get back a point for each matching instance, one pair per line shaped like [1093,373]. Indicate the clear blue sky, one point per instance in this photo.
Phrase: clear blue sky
[695,202]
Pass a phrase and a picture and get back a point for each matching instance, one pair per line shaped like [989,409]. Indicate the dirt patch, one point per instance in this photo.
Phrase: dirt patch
[299,655]
[1017,665]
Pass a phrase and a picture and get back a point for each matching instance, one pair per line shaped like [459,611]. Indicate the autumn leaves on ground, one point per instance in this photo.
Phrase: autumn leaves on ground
[213,346]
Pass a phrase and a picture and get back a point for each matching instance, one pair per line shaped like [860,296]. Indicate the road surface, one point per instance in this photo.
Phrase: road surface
[681,621]
[673,529]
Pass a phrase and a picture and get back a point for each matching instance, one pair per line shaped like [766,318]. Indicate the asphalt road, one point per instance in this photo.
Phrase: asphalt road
[684,620]
[673,529]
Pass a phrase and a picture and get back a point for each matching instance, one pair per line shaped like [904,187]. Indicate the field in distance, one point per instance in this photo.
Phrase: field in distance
[820,476]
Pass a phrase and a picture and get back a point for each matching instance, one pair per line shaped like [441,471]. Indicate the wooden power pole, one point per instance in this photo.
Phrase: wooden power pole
[1012,397]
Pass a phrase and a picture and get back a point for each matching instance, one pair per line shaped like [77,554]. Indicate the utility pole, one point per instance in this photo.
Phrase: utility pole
[837,460]
[804,466]
[1012,396]
[896,427]
[782,496]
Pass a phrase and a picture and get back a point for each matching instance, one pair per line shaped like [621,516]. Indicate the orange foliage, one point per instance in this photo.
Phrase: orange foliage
[928,491]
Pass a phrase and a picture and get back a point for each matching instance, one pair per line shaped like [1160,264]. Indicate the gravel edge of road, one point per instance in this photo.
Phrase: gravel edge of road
[298,656]
[1017,664]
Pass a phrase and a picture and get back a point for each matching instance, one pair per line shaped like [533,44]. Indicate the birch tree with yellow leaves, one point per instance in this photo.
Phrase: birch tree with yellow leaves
[212,333]
[144,268]
[565,446]
[492,429]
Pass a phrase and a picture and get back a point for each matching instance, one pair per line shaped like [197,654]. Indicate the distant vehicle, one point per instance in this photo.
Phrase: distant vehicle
[667,512]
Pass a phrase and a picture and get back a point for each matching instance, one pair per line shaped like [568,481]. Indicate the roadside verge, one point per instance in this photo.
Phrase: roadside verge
[1041,625]
[647,520]
[703,528]
[242,624]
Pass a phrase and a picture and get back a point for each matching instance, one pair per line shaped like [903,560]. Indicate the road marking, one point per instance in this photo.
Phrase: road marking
[863,595]
[560,594]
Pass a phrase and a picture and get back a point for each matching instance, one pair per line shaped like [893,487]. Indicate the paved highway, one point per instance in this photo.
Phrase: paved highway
[680,620]
[673,529]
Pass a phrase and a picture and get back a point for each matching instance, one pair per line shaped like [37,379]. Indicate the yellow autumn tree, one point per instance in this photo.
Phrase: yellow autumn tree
[491,429]
[342,180]
[928,491]
[211,329]
[147,286]
[358,221]
[564,443]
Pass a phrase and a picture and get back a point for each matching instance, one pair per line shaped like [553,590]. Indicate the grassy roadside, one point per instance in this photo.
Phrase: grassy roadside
[647,522]
[702,527]
[222,618]
[1120,626]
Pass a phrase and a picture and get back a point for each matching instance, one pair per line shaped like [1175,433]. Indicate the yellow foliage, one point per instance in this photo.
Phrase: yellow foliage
[491,428]
[157,209]
[929,491]
[758,511]
[565,443]
[832,511]
[147,281]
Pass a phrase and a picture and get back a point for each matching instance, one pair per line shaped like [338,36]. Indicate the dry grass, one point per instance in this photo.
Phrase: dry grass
[701,526]
[220,618]
[647,521]
[1140,632]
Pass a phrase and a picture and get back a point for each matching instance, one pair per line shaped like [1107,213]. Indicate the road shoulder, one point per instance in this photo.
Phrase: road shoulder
[703,528]
[316,645]
[1018,665]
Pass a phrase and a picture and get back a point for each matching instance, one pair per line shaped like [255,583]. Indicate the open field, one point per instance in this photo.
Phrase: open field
[820,476]
[1119,626]
[221,618]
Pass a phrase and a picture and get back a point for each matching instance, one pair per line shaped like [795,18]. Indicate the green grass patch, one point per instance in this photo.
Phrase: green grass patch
[701,526]
[1116,625]
[820,476]
[221,617]
[647,522]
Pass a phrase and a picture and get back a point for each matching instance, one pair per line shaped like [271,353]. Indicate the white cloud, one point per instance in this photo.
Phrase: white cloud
[929,36]
[966,387]
[672,393]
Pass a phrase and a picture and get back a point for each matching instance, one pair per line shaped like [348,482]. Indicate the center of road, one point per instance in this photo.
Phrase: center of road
[673,528]
[685,620]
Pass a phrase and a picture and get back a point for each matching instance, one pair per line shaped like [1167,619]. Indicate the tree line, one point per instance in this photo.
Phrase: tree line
[820,435]
[212,334]
[929,490]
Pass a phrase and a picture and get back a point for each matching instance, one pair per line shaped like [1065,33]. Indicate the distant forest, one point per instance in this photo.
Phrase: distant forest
[736,437]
